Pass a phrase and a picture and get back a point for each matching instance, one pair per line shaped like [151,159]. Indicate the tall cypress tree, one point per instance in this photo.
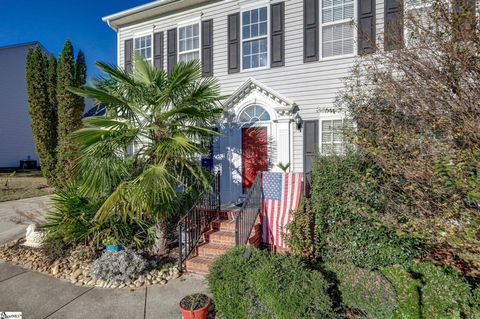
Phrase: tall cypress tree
[52,85]
[69,114]
[80,77]
[42,112]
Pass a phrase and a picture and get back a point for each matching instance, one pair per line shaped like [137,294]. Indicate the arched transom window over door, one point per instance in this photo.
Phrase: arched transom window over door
[254,113]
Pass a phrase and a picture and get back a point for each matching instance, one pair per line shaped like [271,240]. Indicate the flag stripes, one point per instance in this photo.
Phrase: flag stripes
[280,196]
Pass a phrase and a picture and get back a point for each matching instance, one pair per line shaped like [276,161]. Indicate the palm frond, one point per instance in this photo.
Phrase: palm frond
[116,73]
[149,142]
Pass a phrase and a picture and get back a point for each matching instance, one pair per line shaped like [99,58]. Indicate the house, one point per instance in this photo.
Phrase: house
[282,64]
[15,123]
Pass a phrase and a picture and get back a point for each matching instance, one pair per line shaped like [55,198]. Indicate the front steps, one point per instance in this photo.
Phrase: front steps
[215,242]
[219,239]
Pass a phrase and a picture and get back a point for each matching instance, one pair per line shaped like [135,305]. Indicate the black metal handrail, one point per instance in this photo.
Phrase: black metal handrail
[246,217]
[197,221]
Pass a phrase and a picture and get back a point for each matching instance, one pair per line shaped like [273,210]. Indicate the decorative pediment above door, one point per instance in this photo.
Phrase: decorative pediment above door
[254,92]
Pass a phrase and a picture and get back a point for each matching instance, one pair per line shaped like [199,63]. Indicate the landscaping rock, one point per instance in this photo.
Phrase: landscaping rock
[55,270]
[76,264]
[77,273]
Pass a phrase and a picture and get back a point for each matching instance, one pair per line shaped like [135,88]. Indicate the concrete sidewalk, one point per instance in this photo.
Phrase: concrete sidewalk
[16,215]
[40,296]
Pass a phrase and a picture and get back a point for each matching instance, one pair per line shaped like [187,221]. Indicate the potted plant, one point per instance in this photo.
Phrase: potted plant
[112,244]
[195,306]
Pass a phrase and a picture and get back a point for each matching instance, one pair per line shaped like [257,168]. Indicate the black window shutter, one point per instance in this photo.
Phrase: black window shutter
[393,25]
[234,43]
[310,144]
[310,30]
[366,26]
[277,34]
[158,50]
[128,55]
[207,48]
[171,49]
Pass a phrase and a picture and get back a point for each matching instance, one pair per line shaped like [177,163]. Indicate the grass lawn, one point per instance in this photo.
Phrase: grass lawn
[22,185]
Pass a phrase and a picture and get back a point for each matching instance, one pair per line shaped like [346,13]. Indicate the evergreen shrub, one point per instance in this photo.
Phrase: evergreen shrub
[249,283]
[339,222]
[365,292]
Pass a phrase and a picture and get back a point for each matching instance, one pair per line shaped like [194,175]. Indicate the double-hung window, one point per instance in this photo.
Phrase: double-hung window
[143,47]
[337,27]
[333,140]
[255,38]
[189,42]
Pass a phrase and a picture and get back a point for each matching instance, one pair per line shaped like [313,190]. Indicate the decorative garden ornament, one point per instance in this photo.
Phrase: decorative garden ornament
[33,236]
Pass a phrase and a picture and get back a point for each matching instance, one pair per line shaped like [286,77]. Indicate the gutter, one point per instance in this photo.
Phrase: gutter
[122,14]
[110,25]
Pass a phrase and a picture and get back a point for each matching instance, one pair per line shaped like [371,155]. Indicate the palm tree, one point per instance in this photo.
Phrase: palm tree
[146,148]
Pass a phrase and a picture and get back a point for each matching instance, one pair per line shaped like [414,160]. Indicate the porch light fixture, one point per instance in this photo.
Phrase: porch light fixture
[298,121]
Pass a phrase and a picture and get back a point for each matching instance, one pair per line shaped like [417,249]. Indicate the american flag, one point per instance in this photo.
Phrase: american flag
[280,196]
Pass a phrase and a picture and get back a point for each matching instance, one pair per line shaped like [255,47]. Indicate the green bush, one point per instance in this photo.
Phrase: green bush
[73,222]
[248,283]
[338,223]
[364,290]
[475,310]
[425,290]
[408,292]
[444,293]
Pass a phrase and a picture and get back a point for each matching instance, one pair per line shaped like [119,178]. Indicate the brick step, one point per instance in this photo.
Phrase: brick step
[224,224]
[227,214]
[199,265]
[223,237]
[212,250]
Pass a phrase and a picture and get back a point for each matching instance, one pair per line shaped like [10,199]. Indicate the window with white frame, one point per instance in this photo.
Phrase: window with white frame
[254,113]
[418,12]
[333,141]
[255,38]
[143,47]
[337,27]
[189,42]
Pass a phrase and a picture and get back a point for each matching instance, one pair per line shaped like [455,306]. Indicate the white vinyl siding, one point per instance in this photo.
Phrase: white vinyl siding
[189,42]
[255,38]
[310,85]
[142,46]
[338,31]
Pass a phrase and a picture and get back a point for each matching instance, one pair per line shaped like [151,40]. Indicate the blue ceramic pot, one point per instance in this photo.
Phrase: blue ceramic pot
[113,247]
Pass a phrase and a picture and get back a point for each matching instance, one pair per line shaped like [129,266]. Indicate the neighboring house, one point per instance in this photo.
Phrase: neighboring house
[282,63]
[16,139]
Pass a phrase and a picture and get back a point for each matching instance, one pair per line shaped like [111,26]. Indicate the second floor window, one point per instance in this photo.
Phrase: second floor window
[189,42]
[143,47]
[337,27]
[255,38]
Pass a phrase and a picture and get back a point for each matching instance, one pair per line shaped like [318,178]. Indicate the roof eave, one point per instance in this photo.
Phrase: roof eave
[110,19]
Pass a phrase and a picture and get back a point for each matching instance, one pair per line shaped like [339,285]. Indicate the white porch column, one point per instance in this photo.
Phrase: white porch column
[283,143]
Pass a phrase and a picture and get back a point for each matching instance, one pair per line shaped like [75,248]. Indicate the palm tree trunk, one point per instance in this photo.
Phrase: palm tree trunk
[161,232]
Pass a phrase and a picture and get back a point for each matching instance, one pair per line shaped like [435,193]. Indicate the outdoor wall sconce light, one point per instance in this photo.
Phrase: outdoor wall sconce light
[298,121]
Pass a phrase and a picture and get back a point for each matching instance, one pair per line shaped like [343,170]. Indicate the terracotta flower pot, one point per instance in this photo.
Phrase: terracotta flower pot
[195,314]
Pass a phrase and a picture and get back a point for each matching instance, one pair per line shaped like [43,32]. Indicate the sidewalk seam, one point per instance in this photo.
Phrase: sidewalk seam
[13,276]
[145,305]
[69,302]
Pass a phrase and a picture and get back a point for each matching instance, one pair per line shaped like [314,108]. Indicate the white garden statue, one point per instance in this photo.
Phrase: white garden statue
[34,237]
